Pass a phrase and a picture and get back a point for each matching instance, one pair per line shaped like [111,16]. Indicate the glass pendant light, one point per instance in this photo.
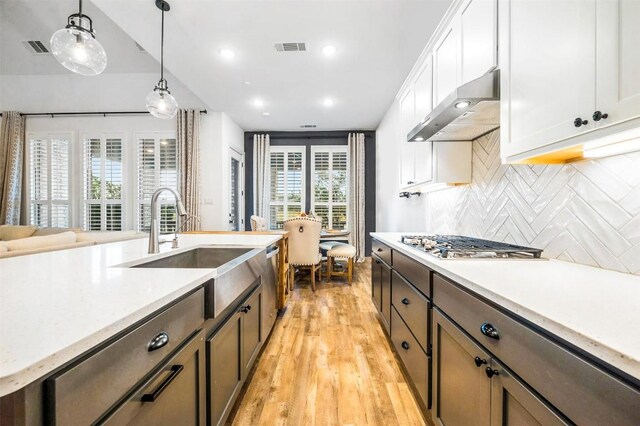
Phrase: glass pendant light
[160,103]
[76,48]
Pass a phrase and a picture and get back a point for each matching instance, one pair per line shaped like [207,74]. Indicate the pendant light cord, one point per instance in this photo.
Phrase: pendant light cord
[161,47]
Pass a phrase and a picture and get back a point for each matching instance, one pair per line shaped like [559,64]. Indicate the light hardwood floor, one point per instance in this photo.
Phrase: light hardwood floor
[328,362]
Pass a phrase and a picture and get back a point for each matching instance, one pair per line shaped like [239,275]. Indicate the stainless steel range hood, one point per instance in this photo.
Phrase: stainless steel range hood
[471,111]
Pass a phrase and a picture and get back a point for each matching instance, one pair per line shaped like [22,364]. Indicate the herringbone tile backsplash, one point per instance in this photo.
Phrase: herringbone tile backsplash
[586,212]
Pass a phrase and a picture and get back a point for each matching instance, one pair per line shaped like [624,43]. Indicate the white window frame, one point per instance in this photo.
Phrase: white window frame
[289,149]
[125,179]
[69,136]
[330,203]
[136,202]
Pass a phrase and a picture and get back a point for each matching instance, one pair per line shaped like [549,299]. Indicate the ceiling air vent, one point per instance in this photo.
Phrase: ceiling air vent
[308,126]
[36,46]
[140,48]
[291,47]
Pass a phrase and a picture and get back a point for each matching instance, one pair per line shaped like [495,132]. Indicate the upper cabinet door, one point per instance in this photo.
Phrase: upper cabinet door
[445,63]
[407,115]
[618,71]
[479,38]
[423,91]
[547,62]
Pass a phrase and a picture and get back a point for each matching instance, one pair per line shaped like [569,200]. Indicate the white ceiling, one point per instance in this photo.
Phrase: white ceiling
[377,43]
[22,20]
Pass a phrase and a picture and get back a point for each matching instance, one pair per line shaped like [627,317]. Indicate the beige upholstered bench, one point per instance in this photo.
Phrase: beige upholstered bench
[340,251]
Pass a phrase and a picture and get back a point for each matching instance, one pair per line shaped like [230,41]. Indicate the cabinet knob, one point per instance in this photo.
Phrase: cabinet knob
[158,342]
[377,262]
[479,361]
[491,372]
[245,309]
[580,122]
[405,345]
[489,331]
[379,250]
[599,115]
[405,301]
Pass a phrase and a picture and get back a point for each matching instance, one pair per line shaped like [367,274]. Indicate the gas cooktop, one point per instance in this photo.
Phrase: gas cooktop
[461,247]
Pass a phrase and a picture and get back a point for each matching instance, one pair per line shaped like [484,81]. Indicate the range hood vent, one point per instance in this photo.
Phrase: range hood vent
[472,110]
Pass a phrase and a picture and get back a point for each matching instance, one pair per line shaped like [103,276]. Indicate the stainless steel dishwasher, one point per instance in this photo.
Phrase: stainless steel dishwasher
[269,288]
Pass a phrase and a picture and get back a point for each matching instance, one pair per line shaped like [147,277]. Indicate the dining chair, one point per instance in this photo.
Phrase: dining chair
[259,223]
[304,242]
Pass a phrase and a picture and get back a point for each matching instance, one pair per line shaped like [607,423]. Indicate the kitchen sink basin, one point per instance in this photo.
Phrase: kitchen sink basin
[201,257]
[237,270]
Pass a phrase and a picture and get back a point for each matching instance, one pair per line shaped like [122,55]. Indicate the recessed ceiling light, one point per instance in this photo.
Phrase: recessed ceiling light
[329,50]
[227,53]
[258,103]
[247,83]
[266,114]
[462,104]
[328,102]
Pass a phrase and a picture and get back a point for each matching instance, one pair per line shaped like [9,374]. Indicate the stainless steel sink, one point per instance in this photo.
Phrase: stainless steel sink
[201,257]
[238,269]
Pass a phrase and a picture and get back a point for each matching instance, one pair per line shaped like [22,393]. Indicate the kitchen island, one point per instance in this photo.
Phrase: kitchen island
[58,307]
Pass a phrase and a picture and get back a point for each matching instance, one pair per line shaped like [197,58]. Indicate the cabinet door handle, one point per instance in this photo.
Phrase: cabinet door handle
[491,372]
[599,115]
[580,122]
[489,331]
[159,341]
[377,262]
[405,345]
[175,371]
[405,301]
[379,250]
[479,361]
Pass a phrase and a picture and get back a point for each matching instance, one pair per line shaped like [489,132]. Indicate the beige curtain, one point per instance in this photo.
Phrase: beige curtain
[12,145]
[261,176]
[355,211]
[188,138]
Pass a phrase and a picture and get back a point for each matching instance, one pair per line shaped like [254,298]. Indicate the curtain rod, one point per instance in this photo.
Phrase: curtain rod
[104,114]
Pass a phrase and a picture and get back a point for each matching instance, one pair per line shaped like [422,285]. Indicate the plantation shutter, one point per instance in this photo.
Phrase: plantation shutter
[49,181]
[103,183]
[329,187]
[157,167]
[287,184]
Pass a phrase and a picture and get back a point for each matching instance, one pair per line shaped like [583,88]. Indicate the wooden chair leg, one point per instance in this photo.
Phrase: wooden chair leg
[350,270]
[313,277]
[329,268]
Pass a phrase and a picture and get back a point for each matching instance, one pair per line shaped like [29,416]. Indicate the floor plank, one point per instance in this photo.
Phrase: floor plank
[328,362]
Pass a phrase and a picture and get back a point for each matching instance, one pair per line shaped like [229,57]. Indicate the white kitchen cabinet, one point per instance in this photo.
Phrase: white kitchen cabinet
[618,60]
[407,150]
[445,62]
[547,62]
[571,82]
[423,95]
[478,38]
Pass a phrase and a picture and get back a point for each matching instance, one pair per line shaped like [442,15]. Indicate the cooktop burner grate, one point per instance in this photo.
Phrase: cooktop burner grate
[457,246]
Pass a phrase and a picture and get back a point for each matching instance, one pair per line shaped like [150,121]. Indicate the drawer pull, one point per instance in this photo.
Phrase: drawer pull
[158,342]
[491,372]
[175,371]
[479,361]
[489,331]
[405,345]
[405,301]
[377,262]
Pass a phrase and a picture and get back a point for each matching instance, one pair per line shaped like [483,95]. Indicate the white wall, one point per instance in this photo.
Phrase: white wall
[394,214]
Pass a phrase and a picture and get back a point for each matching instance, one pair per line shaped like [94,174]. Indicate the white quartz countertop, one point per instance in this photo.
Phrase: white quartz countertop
[55,306]
[594,309]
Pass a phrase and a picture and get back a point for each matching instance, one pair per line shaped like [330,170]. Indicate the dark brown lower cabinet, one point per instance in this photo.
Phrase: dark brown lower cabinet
[415,361]
[174,395]
[231,351]
[469,387]
[381,288]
